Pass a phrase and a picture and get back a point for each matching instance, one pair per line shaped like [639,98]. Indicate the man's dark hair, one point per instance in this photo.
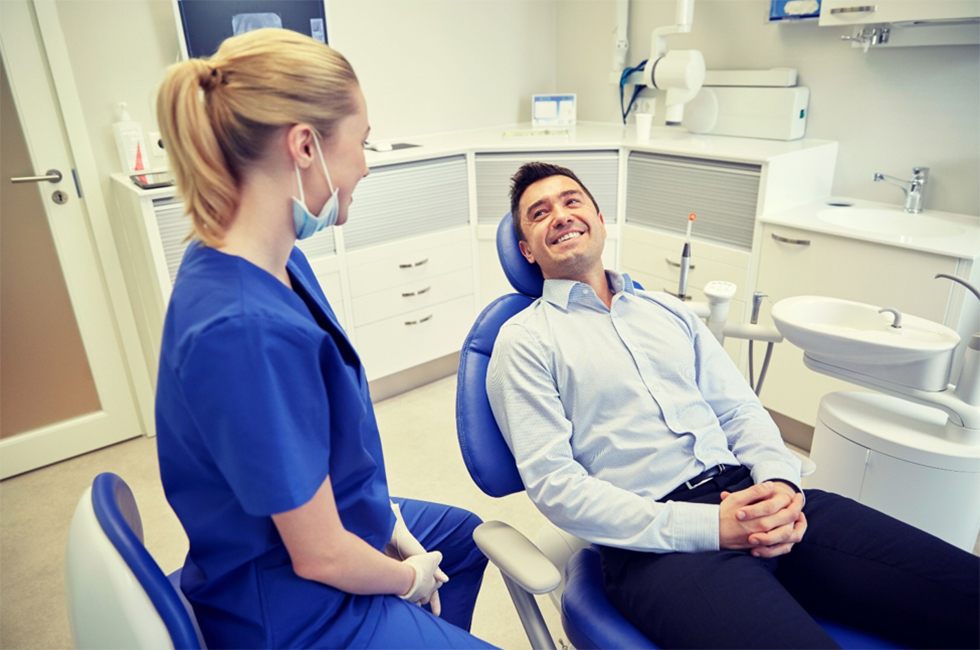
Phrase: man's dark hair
[533,172]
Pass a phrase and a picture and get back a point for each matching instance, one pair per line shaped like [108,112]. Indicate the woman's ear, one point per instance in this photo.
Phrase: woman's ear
[299,144]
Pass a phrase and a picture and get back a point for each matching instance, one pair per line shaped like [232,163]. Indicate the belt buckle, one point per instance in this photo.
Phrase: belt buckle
[691,486]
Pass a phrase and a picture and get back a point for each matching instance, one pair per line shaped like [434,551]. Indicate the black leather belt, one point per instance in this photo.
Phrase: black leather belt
[706,476]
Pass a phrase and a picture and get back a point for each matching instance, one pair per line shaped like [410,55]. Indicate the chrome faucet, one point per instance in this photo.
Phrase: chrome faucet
[914,189]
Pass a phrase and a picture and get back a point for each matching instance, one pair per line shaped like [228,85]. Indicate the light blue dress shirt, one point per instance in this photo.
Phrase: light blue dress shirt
[608,410]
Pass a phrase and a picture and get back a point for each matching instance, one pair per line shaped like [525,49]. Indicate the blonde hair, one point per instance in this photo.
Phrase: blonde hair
[216,114]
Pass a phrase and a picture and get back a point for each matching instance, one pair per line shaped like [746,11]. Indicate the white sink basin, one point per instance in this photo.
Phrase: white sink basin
[853,335]
[890,222]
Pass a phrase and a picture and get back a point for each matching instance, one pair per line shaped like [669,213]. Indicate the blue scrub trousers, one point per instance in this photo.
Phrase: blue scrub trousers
[855,566]
[448,530]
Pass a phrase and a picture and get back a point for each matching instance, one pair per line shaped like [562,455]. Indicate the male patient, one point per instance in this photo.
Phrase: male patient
[633,429]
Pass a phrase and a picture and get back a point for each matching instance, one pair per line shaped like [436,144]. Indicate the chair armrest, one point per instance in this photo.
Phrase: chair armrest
[517,557]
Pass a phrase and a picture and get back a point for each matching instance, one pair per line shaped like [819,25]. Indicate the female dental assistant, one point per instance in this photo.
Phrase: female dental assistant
[269,450]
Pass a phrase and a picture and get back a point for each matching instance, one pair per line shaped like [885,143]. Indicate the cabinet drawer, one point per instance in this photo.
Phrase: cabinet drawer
[411,260]
[407,340]
[853,270]
[659,254]
[411,296]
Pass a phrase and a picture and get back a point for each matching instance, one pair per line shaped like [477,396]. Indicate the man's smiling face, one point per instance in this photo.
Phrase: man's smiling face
[563,231]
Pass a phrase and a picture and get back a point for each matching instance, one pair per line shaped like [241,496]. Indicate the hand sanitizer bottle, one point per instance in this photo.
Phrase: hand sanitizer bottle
[129,141]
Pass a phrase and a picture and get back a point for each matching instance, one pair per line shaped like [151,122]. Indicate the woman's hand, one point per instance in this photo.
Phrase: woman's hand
[404,545]
[425,587]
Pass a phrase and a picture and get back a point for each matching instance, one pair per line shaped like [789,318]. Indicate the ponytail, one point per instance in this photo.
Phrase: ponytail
[216,115]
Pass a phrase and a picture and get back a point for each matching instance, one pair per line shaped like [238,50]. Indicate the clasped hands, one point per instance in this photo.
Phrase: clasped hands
[766,518]
[428,576]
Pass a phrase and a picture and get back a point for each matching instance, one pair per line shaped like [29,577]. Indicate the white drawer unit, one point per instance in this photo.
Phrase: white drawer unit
[412,260]
[408,199]
[598,170]
[662,190]
[407,299]
[400,342]
[411,296]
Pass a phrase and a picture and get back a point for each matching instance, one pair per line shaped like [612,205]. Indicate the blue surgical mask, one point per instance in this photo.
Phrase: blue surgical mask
[305,223]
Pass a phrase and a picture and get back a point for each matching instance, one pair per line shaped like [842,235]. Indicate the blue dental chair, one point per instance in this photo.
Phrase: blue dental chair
[588,618]
[117,595]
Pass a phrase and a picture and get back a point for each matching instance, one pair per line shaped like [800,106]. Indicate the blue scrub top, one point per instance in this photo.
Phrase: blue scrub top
[260,396]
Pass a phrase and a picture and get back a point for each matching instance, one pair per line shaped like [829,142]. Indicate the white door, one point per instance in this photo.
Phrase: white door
[64,388]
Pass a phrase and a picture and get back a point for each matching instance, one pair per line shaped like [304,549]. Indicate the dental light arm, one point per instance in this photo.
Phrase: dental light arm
[677,74]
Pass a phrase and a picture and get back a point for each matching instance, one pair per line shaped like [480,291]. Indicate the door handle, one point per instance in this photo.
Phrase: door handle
[51,176]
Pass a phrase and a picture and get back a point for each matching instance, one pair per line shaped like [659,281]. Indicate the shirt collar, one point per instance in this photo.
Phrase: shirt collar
[559,292]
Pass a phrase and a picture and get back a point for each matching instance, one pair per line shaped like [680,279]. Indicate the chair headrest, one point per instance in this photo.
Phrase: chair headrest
[525,277]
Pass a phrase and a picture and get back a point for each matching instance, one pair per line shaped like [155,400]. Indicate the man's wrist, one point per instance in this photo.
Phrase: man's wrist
[790,484]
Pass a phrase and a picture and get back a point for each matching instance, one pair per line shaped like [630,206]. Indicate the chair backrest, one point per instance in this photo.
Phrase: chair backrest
[485,453]
[117,595]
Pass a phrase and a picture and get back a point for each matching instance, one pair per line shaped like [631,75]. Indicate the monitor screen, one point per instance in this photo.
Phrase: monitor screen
[205,23]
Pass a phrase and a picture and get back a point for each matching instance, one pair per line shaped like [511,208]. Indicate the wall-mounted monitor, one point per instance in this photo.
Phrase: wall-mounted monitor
[203,24]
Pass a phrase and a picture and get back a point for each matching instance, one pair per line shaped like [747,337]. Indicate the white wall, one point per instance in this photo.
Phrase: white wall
[425,65]
[890,109]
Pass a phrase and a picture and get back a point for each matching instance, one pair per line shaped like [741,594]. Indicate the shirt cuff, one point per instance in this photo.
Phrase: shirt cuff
[777,471]
[694,526]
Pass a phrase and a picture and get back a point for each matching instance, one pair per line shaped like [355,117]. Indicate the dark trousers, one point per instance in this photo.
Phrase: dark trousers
[855,566]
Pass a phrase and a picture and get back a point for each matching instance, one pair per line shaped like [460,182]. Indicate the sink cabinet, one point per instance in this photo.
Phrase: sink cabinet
[796,262]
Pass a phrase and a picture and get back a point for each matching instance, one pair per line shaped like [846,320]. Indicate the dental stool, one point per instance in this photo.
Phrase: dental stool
[570,565]
[117,595]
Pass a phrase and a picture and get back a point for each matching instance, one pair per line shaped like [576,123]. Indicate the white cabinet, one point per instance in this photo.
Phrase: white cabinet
[796,262]
[405,256]
[652,258]
[661,192]
[860,12]
[411,300]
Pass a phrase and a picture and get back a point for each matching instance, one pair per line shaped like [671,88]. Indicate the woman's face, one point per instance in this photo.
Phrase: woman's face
[344,154]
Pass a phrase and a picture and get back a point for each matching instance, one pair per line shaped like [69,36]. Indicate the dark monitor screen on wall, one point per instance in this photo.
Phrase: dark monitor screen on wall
[205,23]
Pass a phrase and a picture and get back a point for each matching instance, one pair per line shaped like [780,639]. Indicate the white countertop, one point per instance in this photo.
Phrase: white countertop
[592,136]
[965,243]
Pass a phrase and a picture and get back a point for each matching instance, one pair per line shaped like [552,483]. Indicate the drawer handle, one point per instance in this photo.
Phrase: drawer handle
[677,265]
[787,240]
[414,264]
[409,294]
[677,295]
[857,9]
[421,320]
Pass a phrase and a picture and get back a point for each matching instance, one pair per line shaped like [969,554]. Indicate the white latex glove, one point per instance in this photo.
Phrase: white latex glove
[425,586]
[403,545]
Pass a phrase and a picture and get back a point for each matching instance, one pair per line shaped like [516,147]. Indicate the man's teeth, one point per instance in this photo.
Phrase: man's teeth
[567,236]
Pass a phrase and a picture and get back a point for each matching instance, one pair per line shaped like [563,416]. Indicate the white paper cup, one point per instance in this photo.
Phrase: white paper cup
[644,121]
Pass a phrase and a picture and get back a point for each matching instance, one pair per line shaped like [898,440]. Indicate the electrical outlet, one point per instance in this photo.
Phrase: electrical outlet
[156,143]
[158,156]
